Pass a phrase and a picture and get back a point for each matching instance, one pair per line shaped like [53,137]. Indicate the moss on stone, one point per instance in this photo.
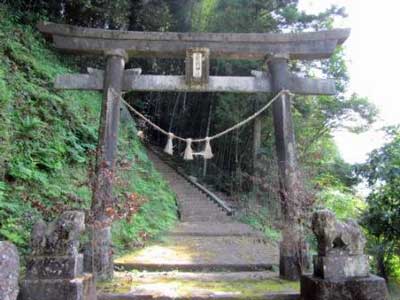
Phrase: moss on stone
[182,287]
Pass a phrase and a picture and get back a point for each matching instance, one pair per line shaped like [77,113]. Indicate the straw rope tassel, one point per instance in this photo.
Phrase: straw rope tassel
[169,147]
[207,150]
[207,153]
[188,151]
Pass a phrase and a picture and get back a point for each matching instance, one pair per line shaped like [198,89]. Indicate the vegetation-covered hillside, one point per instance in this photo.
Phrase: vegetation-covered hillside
[47,144]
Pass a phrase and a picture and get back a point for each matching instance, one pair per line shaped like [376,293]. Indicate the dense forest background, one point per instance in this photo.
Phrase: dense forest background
[48,138]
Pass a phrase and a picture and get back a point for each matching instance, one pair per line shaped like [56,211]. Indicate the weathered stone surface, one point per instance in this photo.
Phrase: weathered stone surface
[58,238]
[337,238]
[202,286]
[98,254]
[341,271]
[339,267]
[367,288]
[218,243]
[55,269]
[80,288]
[213,228]
[106,155]
[292,246]
[309,45]
[9,271]
[202,295]
[165,83]
[197,66]
[60,267]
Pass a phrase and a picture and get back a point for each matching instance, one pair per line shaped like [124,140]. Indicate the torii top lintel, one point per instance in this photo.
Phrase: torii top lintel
[307,45]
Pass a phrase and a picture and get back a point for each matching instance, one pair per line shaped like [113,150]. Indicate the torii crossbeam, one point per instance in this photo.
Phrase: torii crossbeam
[260,82]
[119,46]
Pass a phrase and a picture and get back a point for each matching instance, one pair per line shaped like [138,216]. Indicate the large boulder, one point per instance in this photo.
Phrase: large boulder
[9,271]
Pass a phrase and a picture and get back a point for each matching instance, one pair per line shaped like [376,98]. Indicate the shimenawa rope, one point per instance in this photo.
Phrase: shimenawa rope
[207,153]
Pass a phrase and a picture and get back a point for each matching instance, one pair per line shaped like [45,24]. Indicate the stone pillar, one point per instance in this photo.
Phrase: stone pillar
[256,142]
[292,249]
[98,259]
[54,271]
[256,156]
[9,271]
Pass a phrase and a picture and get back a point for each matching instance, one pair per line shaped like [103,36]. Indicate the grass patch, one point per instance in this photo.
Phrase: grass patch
[156,210]
[394,289]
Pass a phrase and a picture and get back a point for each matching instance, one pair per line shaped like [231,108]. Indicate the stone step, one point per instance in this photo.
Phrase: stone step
[205,217]
[195,199]
[205,204]
[203,201]
[200,296]
[197,276]
[191,212]
[214,229]
[222,219]
[201,209]
[199,253]
[194,267]
[177,285]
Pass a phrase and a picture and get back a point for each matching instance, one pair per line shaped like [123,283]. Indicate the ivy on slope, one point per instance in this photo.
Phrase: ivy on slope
[47,141]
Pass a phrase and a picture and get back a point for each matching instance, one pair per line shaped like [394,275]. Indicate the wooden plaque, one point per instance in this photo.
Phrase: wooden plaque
[197,66]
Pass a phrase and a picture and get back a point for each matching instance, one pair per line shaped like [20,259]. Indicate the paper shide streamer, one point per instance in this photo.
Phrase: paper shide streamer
[207,152]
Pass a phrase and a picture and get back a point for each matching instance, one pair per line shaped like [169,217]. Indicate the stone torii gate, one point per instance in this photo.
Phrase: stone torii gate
[197,48]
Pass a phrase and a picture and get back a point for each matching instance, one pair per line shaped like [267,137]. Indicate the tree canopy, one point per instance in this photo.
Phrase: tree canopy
[382,218]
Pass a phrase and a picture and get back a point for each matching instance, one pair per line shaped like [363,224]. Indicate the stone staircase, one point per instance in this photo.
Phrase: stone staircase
[208,255]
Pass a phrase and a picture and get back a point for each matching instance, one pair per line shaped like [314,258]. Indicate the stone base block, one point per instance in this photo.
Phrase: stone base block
[60,267]
[338,267]
[98,254]
[9,271]
[80,288]
[289,267]
[368,288]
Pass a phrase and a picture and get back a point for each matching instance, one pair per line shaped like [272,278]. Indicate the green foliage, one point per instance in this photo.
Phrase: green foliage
[342,202]
[159,210]
[382,218]
[94,13]
[43,135]
[47,141]
[259,217]
[296,20]
[315,117]
[237,15]
[151,16]
[394,289]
